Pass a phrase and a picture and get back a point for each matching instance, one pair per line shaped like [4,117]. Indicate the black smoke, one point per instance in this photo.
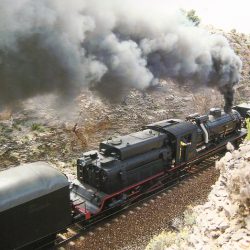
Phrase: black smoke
[59,46]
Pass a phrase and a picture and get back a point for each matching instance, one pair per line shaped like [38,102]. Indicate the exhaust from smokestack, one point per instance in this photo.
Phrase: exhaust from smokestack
[59,46]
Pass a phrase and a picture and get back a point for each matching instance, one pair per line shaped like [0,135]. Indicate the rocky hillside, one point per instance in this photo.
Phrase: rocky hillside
[223,222]
[40,130]
[241,44]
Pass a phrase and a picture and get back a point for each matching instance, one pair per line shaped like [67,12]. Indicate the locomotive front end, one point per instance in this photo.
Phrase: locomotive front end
[90,169]
[124,160]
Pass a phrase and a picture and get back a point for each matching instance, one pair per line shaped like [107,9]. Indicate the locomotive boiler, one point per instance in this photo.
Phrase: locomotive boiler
[123,161]
[126,160]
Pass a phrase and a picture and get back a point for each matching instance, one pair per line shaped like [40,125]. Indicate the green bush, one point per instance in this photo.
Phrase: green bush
[37,127]
[191,16]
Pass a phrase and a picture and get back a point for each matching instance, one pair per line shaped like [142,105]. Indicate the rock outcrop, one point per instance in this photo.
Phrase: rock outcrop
[223,222]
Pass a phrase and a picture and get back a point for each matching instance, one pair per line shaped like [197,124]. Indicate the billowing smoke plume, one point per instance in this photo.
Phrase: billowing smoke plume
[61,45]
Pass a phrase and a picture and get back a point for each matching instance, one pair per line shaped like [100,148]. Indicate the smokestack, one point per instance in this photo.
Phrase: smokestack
[60,46]
[228,93]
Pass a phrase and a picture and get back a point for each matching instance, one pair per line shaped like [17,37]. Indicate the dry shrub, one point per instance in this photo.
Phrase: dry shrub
[6,114]
[162,241]
[207,99]
[189,217]
[90,128]
[81,137]
[93,127]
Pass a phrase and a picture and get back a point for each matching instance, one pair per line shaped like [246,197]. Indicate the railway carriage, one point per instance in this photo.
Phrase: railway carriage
[34,203]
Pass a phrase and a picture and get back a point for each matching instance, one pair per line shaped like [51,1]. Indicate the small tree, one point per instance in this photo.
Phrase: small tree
[191,15]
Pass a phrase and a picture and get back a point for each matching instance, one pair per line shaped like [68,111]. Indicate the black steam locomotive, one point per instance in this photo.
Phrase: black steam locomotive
[37,201]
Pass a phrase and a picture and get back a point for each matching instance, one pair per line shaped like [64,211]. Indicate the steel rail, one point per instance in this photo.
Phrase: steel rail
[181,175]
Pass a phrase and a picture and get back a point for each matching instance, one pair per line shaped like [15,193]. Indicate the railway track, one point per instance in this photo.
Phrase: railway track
[77,230]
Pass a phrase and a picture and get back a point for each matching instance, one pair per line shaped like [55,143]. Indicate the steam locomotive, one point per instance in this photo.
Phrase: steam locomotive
[37,201]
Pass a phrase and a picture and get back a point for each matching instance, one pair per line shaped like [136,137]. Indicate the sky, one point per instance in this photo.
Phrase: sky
[224,14]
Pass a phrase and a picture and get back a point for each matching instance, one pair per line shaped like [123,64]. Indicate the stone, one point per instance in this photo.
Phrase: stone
[247,221]
[224,225]
[244,244]
[223,239]
[228,156]
[247,156]
[215,234]
[238,236]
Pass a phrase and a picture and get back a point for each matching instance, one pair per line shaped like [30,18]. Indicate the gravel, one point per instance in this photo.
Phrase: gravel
[136,229]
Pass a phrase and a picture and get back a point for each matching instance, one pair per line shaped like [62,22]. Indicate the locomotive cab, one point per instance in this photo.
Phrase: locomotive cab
[182,138]
[185,135]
